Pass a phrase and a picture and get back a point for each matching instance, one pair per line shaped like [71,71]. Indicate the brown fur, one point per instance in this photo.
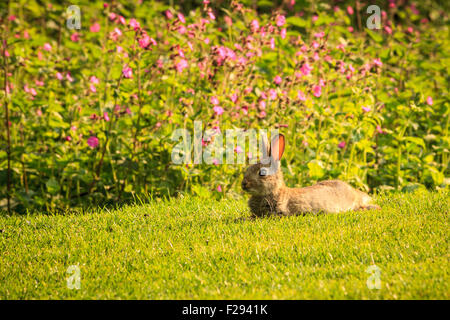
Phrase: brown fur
[270,196]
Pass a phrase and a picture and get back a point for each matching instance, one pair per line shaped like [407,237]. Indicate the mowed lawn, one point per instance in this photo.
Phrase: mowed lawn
[192,248]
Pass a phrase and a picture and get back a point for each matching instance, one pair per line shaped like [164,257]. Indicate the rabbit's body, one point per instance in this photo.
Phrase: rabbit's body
[326,196]
[270,196]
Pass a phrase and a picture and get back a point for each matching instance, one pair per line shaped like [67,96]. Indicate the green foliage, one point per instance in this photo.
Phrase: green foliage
[370,124]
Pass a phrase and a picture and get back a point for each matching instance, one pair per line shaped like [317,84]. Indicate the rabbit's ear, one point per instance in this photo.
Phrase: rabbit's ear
[277,147]
[265,148]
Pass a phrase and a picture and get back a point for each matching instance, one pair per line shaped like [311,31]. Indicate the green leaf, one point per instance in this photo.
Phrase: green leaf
[297,22]
[374,35]
[316,170]
[52,186]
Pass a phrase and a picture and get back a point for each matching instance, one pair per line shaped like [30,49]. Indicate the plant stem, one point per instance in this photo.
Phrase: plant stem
[8,134]
[100,163]
[140,104]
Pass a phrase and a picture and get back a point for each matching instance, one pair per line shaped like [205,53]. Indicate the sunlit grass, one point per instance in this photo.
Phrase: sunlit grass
[198,248]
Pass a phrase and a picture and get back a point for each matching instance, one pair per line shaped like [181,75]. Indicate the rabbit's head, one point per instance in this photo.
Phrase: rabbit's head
[266,177]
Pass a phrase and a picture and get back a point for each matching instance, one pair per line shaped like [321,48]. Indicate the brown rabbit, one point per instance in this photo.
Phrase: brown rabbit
[269,194]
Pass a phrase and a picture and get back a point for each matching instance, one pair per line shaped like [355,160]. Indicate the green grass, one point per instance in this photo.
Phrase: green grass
[194,248]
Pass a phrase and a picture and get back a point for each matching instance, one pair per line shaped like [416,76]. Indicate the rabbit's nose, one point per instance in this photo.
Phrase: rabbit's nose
[245,185]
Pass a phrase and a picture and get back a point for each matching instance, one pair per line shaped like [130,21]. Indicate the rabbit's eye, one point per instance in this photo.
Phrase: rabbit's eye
[263,172]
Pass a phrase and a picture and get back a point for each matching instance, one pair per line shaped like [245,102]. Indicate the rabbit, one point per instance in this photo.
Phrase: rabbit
[270,196]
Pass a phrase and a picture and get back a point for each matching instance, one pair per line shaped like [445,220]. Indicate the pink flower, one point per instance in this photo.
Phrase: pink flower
[215,161]
[92,88]
[218,110]
[238,149]
[118,32]
[430,101]
[262,105]
[305,69]
[281,20]
[122,20]
[59,76]
[181,18]
[95,27]
[92,142]
[180,53]
[414,9]
[272,43]
[234,97]
[350,29]
[379,130]
[272,94]
[75,37]
[319,34]
[410,30]
[134,24]
[283,33]
[69,77]
[182,30]
[181,65]
[228,20]
[263,95]
[214,100]
[350,10]
[68,138]
[277,80]
[144,41]
[341,145]
[388,29]
[301,95]
[115,34]
[219,188]
[254,26]
[366,109]
[94,80]
[317,91]
[169,15]
[105,116]
[127,72]
[314,18]
[211,15]
[377,62]
[316,56]
[47,47]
